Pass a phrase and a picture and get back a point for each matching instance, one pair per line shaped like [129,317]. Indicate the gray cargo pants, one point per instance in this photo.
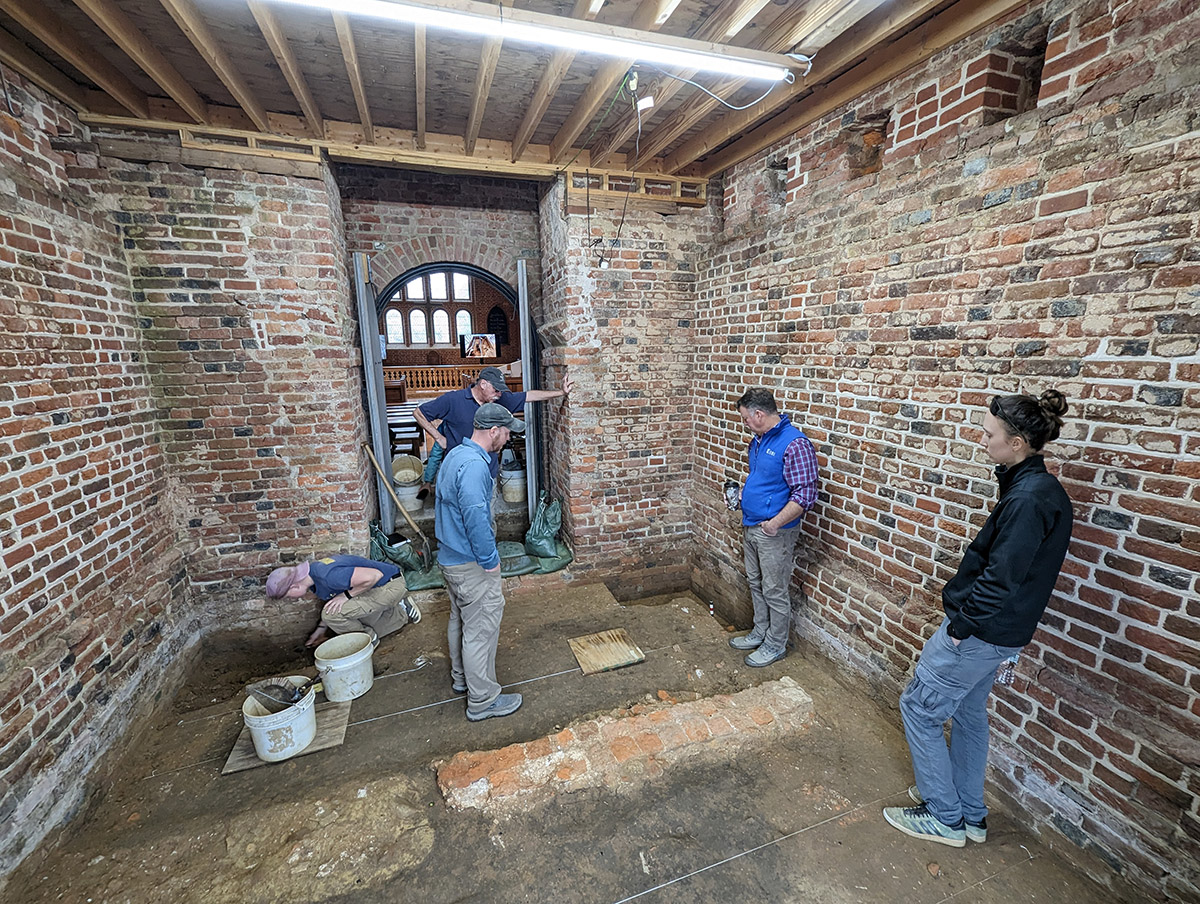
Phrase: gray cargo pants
[476,607]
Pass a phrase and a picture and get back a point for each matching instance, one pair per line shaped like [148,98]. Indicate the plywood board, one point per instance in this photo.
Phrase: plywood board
[332,719]
[605,650]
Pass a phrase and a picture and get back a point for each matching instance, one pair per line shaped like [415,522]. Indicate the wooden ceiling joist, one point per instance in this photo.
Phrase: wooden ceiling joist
[419,64]
[884,63]
[138,47]
[15,54]
[488,58]
[59,37]
[192,24]
[268,24]
[354,72]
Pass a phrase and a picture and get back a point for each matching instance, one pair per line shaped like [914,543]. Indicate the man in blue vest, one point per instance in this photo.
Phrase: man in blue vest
[782,486]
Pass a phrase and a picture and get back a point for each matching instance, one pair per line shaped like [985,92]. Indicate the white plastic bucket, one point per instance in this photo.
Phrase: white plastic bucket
[345,665]
[408,497]
[277,736]
[512,485]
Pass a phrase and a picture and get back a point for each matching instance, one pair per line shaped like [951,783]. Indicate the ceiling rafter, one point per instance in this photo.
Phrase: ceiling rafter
[730,18]
[547,87]
[419,63]
[15,54]
[354,72]
[885,62]
[63,40]
[138,48]
[488,58]
[272,30]
[649,17]
[192,24]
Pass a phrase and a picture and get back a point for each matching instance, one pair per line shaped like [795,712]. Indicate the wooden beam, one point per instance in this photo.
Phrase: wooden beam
[730,18]
[160,152]
[419,62]
[793,27]
[59,37]
[268,24]
[16,55]
[649,16]
[548,85]
[192,24]
[488,59]
[138,47]
[354,72]
[961,20]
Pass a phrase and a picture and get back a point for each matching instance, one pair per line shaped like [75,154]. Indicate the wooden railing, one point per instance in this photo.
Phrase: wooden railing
[433,381]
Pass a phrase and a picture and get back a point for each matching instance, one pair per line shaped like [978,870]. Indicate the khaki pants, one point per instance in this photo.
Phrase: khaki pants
[378,609]
[476,607]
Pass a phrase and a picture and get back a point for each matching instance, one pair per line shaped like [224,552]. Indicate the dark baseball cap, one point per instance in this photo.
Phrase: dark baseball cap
[493,415]
[495,376]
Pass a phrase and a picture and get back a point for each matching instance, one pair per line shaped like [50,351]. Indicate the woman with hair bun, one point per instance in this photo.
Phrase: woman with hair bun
[993,606]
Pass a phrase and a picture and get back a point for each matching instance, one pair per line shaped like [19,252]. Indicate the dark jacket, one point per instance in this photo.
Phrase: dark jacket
[1008,572]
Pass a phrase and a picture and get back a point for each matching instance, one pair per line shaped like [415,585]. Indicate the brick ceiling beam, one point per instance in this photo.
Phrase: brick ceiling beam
[885,62]
[192,24]
[354,72]
[272,30]
[139,48]
[16,55]
[63,40]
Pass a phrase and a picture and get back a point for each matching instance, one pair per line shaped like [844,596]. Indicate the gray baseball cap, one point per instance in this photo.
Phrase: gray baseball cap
[493,415]
[495,376]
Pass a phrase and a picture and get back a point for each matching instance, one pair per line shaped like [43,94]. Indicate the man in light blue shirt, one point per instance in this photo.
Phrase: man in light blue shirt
[470,562]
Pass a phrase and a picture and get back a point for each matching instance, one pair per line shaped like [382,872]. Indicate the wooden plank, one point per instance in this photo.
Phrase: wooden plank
[15,54]
[332,720]
[138,47]
[269,25]
[605,650]
[59,37]
[354,72]
[192,24]
[488,59]
[419,55]
[164,153]
[886,63]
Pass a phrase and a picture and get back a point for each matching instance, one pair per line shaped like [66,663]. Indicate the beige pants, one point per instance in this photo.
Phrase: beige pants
[378,609]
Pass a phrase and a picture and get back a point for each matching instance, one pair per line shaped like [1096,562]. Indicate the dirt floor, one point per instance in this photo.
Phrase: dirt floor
[796,820]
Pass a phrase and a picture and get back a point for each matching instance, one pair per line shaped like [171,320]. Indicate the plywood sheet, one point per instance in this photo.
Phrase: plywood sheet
[332,719]
[605,650]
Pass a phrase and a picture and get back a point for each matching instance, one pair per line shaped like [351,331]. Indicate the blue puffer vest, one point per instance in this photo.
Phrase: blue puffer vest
[766,492]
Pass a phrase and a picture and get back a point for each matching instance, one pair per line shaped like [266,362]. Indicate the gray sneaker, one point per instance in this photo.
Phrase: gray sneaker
[920,823]
[459,687]
[976,832]
[764,657]
[504,705]
[411,610]
[751,641]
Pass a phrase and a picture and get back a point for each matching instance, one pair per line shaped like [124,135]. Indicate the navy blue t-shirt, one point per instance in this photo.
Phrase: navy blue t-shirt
[332,575]
[457,411]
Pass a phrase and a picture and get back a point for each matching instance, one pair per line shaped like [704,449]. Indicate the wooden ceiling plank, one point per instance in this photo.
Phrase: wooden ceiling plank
[192,24]
[419,63]
[549,83]
[887,62]
[648,17]
[272,30]
[350,54]
[63,40]
[138,48]
[19,57]
[730,18]
[483,86]
[854,44]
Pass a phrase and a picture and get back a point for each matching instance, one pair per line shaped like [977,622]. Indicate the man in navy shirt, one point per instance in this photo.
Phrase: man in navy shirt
[359,594]
[782,486]
[456,410]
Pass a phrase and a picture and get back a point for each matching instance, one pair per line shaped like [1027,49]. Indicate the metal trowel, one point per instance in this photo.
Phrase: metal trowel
[277,696]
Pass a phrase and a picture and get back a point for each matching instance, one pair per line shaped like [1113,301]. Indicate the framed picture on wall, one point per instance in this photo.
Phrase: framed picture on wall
[478,345]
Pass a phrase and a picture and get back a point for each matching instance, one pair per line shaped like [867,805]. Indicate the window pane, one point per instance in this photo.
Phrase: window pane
[394,322]
[415,289]
[462,286]
[416,326]
[462,323]
[441,328]
[437,286]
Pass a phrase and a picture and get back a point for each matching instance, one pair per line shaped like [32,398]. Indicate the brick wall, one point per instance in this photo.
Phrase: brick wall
[1055,248]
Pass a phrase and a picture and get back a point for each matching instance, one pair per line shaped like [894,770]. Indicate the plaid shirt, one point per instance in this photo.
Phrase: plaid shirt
[800,472]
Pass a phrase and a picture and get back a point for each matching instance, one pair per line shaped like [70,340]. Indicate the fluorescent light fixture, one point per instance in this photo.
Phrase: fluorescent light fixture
[578,35]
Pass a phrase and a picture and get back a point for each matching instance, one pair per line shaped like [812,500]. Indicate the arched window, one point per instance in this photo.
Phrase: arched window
[416,328]
[441,327]
[393,322]
[462,322]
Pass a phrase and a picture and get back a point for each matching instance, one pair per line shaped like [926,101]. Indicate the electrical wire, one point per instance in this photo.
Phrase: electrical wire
[724,102]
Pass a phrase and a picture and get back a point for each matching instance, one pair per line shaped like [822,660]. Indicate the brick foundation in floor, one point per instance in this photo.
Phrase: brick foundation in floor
[622,749]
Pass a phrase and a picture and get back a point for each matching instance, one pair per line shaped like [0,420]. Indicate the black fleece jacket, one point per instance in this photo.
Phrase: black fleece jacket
[1008,572]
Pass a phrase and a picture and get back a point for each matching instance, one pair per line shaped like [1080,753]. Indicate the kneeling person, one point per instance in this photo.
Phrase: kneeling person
[359,594]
